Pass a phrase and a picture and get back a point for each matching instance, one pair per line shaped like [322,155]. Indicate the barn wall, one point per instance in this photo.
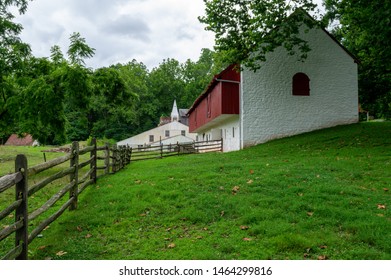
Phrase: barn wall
[228,130]
[202,114]
[220,98]
[230,100]
[231,135]
[269,110]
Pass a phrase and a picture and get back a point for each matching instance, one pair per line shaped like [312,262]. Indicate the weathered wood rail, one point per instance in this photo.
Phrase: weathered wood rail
[168,150]
[114,159]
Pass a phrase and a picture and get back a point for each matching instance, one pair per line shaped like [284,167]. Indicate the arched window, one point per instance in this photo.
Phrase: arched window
[301,84]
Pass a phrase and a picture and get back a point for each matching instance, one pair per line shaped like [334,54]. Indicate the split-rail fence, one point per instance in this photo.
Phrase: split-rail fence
[114,159]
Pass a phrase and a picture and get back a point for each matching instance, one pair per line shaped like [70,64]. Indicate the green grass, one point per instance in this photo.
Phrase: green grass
[319,195]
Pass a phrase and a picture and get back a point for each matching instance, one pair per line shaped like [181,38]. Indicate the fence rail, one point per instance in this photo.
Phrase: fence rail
[114,159]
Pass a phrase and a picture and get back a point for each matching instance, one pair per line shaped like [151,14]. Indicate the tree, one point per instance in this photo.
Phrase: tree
[364,28]
[41,102]
[197,75]
[76,81]
[53,96]
[13,53]
[79,50]
[112,104]
[166,85]
[145,105]
[246,30]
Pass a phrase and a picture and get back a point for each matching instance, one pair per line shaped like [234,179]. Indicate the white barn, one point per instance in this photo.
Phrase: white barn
[169,131]
[285,97]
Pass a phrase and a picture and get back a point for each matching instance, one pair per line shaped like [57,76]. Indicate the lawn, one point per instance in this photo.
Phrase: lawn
[320,195]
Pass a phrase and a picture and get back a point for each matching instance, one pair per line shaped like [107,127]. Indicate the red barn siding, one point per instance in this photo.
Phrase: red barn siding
[230,98]
[216,102]
[220,98]
[14,140]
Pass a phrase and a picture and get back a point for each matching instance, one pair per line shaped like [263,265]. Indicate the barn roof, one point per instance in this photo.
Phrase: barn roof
[15,140]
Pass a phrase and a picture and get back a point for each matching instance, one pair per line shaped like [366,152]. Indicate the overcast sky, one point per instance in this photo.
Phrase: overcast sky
[119,30]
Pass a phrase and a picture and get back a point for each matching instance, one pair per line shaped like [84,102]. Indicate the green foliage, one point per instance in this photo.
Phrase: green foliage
[13,53]
[79,50]
[49,98]
[111,105]
[364,28]
[56,55]
[42,112]
[245,31]
[197,76]
[166,84]
[172,80]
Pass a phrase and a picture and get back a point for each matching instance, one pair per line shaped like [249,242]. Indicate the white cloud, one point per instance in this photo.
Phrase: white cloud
[120,30]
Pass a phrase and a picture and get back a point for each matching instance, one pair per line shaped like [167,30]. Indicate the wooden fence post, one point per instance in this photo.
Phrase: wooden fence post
[161,150]
[120,157]
[179,149]
[107,159]
[124,156]
[114,164]
[74,177]
[93,162]
[21,235]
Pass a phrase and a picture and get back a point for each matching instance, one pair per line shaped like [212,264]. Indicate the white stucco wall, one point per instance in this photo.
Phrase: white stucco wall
[174,140]
[174,127]
[228,130]
[231,135]
[268,108]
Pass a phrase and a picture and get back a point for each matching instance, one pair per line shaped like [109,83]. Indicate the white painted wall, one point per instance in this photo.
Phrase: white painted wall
[175,129]
[231,135]
[268,108]
[174,140]
[228,130]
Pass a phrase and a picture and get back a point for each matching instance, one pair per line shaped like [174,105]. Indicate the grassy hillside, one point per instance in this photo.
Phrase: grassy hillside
[321,195]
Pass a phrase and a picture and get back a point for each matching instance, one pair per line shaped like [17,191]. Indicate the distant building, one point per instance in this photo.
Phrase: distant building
[171,130]
[285,97]
[26,140]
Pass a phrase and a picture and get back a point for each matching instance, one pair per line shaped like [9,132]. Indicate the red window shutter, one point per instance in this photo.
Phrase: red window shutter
[301,84]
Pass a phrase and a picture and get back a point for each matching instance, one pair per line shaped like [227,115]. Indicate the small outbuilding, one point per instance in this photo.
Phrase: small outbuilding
[170,130]
[25,140]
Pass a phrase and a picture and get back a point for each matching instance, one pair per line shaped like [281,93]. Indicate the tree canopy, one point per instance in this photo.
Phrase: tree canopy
[245,31]
[364,28]
[13,53]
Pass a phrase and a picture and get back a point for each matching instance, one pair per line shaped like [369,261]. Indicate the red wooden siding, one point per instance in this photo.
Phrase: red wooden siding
[230,104]
[220,98]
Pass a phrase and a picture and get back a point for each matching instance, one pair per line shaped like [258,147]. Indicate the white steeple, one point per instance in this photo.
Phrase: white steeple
[175,112]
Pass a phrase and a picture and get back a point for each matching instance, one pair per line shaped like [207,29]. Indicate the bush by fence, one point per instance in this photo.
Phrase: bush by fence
[114,159]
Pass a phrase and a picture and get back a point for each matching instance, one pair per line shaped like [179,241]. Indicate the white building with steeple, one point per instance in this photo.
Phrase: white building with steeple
[174,112]
[171,130]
